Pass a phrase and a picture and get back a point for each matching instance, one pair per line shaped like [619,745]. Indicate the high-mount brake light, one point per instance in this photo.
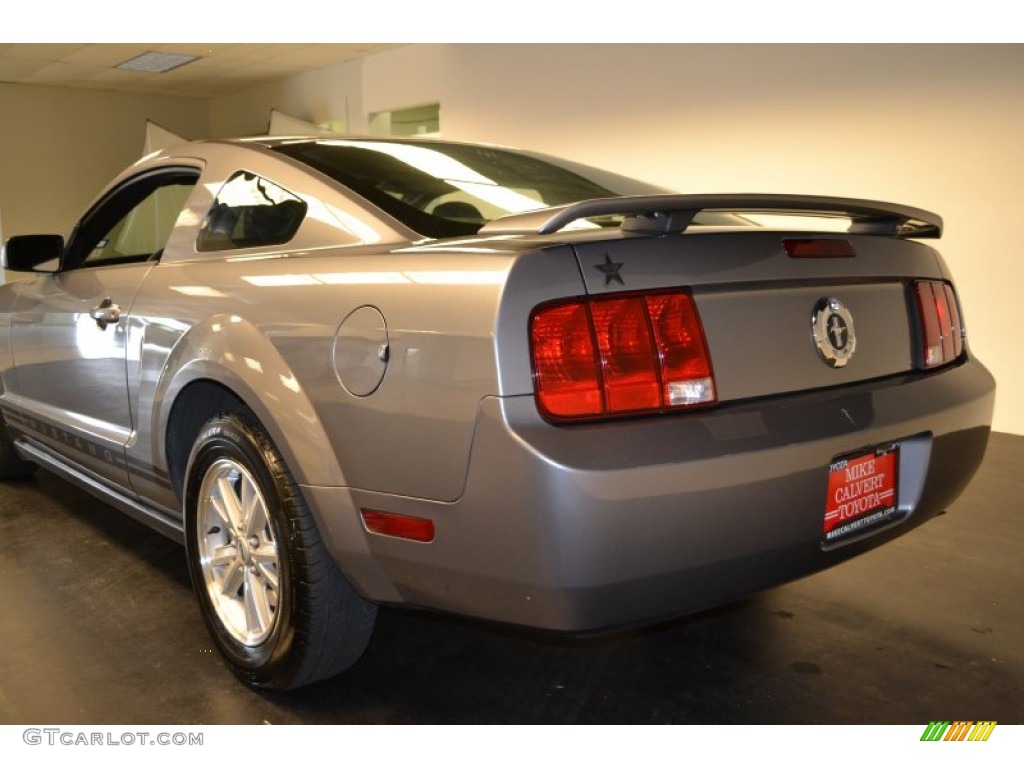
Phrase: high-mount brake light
[818,248]
[623,354]
[942,333]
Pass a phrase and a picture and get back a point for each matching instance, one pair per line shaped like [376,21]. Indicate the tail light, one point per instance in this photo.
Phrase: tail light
[941,331]
[619,355]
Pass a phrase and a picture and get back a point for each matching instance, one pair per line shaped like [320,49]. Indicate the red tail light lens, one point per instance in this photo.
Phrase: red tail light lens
[686,364]
[629,367]
[564,361]
[942,333]
[956,326]
[619,355]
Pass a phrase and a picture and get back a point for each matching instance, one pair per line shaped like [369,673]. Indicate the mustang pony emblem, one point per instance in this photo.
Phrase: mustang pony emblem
[833,332]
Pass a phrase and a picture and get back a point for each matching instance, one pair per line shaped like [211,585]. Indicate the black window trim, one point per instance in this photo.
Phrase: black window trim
[97,215]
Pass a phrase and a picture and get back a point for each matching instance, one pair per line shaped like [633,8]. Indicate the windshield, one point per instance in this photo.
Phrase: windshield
[448,190]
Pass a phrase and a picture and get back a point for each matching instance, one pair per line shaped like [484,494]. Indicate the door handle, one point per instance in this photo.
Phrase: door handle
[107,312]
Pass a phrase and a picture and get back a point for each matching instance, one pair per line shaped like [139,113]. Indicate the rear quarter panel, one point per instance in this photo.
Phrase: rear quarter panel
[275,349]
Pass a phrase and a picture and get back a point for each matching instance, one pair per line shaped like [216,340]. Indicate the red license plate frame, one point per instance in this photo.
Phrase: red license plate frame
[863,492]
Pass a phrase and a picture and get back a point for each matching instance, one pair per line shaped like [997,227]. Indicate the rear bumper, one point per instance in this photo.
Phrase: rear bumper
[589,527]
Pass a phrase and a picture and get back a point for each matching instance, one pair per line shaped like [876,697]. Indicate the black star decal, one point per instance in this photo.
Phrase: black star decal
[610,269]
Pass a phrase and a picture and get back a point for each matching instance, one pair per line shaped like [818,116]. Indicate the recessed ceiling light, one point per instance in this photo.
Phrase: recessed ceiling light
[153,61]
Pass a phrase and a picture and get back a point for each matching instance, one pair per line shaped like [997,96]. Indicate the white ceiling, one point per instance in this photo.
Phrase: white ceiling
[223,67]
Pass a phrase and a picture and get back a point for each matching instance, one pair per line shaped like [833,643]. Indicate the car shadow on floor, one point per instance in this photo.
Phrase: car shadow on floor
[100,626]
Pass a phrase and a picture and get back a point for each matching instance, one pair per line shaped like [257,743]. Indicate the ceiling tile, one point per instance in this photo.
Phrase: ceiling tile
[222,69]
[45,51]
[319,55]
[198,49]
[62,73]
[104,55]
[18,70]
[114,77]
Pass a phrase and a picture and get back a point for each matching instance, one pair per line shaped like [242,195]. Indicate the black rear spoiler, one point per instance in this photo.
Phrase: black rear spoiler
[659,214]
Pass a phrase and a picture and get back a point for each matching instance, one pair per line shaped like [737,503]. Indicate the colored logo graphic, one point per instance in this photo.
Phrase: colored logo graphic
[958,730]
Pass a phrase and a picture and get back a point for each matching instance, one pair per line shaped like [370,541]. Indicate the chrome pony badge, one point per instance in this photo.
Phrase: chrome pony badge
[832,328]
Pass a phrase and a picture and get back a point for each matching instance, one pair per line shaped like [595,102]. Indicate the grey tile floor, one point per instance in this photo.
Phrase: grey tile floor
[98,625]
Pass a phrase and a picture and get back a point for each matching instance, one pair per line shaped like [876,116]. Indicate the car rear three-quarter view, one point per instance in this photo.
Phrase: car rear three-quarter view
[366,372]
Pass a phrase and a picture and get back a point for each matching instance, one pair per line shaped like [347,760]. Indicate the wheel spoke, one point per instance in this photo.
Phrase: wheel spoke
[268,569]
[223,555]
[255,513]
[232,578]
[217,503]
[257,609]
[232,508]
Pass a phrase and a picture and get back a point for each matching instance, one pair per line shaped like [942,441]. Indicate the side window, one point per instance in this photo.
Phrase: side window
[250,212]
[142,233]
[132,223]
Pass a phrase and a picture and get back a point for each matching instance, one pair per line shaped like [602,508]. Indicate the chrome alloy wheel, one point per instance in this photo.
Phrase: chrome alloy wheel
[238,552]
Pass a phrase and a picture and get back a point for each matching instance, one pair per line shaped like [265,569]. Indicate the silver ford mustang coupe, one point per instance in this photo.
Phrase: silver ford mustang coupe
[357,372]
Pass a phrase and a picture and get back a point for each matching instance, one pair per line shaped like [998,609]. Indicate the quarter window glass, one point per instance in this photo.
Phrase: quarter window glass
[142,233]
[250,212]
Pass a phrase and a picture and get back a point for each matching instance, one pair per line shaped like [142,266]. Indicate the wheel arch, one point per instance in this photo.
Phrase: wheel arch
[201,382]
[202,378]
[198,402]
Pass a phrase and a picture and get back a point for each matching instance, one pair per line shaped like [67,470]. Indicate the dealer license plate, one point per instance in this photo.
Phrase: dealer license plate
[861,492]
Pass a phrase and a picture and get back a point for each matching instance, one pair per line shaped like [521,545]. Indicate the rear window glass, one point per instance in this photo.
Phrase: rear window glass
[446,190]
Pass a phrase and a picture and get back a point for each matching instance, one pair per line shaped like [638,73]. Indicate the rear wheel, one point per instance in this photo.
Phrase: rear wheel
[279,609]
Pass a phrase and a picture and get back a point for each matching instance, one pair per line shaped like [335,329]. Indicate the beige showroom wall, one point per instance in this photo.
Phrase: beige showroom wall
[326,96]
[59,146]
[937,127]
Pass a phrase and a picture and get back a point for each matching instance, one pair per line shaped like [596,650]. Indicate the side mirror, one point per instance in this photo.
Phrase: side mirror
[25,253]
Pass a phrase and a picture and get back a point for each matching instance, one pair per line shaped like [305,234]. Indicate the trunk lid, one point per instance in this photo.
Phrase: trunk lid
[783,309]
[758,304]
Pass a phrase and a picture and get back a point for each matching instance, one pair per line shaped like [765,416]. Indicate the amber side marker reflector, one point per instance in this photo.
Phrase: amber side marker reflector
[399,526]
[819,248]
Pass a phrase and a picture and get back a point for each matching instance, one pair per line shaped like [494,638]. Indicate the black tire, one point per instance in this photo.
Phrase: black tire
[12,466]
[290,618]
